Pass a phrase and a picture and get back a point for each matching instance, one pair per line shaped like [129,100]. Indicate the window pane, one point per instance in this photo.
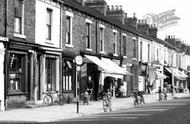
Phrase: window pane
[67,74]
[68,30]
[87,35]
[48,24]
[17,25]
[18,8]
[124,45]
[101,39]
[15,72]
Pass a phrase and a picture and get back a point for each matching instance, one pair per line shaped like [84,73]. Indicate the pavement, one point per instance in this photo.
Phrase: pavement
[69,111]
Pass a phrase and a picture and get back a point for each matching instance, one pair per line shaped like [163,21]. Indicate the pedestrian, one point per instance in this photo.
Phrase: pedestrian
[90,86]
[148,86]
[86,98]
[165,93]
[160,93]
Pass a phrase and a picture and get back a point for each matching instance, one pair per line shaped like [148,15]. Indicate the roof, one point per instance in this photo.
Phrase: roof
[165,43]
[100,16]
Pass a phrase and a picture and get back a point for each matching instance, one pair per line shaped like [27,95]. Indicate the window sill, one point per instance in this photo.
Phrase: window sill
[88,49]
[125,57]
[115,54]
[69,45]
[102,52]
[49,42]
[14,93]
[134,59]
[19,35]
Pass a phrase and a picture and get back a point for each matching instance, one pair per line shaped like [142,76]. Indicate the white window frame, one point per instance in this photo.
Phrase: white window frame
[21,34]
[70,15]
[90,42]
[102,27]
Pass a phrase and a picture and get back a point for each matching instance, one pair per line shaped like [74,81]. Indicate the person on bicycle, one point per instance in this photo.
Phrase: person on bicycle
[109,95]
[90,86]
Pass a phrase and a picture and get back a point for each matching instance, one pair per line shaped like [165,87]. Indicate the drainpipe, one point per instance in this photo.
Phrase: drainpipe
[6,58]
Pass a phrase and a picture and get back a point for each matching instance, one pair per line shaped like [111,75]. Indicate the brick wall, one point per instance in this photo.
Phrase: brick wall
[29,19]
[79,32]
[2,17]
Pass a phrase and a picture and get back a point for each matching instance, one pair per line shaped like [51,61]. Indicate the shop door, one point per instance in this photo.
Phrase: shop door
[50,73]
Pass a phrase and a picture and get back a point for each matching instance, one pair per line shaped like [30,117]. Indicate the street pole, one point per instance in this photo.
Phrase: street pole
[172,75]
[78,60]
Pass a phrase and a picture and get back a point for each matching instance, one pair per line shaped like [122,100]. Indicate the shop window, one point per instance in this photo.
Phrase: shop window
[67,74]
[51,73]
[17,69]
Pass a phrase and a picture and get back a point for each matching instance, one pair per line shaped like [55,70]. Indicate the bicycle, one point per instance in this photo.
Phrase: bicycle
[138,99]
[107,102]
[54,96]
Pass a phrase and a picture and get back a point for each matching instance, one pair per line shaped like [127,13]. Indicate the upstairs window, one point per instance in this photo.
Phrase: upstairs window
[148,52]
[141,51]
[88,36]
[18,17]
[49,24]
[115,42]
[124,45]
[102,39]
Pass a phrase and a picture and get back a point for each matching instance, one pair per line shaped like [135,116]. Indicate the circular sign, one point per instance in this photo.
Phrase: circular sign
[78,60]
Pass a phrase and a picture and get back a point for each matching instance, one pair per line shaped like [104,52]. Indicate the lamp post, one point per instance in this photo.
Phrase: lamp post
[78,60]
[172,75]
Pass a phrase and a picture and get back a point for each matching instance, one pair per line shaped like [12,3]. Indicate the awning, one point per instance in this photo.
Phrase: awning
[177,73]
[108,66]
[115,67]
[159,75]
[98,62]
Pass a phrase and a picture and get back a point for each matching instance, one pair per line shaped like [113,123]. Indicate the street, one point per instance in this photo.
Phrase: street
[174,111]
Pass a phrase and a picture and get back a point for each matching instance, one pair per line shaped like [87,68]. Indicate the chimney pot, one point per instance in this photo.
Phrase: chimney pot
[117,8]
[134,15]
[121,7]
[112,7]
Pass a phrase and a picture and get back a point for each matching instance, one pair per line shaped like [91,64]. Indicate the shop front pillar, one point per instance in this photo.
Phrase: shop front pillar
[2,90]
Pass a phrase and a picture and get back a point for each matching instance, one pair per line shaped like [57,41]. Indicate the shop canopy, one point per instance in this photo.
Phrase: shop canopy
[177,73]
[115,67]
[108,66]
[159,75]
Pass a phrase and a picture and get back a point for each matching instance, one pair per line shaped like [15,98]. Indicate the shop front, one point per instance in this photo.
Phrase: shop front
[156,77]
[180,78]
[46,72]
[105,71]
[18,74]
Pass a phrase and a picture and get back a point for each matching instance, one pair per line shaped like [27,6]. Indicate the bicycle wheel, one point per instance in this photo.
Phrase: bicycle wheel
[105,105]
[61,100]
[47,99]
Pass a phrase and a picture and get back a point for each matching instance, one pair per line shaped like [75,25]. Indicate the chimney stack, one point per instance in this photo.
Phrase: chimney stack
[98,5]
[116,12]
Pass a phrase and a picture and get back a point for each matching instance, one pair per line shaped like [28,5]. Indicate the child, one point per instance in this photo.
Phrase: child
[86,98]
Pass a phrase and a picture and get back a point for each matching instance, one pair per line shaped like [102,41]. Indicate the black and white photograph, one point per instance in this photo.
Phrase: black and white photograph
[94,62]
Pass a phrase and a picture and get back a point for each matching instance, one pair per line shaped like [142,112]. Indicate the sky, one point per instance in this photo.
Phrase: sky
[143,7]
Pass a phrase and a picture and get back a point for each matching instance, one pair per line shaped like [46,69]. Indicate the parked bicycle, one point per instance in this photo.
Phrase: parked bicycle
[54,96]
[107,102]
